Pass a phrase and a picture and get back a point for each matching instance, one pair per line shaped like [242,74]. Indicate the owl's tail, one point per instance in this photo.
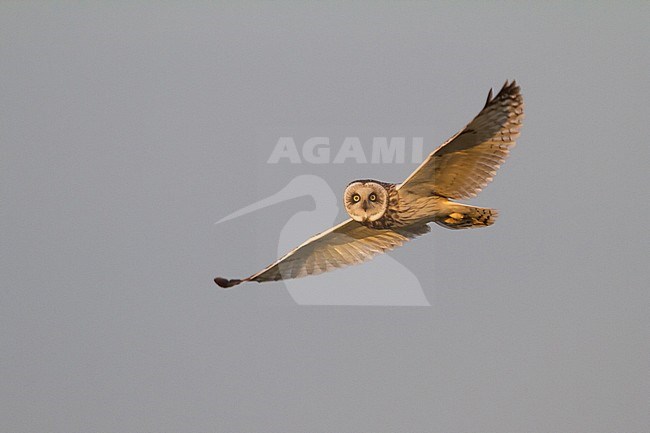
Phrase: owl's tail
[462,216]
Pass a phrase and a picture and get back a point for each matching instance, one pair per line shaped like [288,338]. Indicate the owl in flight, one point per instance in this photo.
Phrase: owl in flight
[386,215]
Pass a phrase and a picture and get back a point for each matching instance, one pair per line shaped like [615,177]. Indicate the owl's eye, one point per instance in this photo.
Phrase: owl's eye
[356,198]
[372,197]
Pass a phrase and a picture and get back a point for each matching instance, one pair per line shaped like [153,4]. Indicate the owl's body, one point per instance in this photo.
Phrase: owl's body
[386,215]
[403,207]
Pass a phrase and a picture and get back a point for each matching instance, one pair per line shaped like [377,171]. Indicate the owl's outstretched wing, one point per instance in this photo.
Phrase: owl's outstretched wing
[346,244]
[467,162]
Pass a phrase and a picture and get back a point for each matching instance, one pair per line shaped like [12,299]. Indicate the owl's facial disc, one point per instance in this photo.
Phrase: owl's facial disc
[365,201]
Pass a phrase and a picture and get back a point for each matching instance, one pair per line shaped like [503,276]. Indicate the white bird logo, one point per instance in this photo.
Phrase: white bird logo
[383,282]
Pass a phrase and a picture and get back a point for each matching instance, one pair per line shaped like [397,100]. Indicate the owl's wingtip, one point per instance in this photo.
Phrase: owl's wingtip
[226,283]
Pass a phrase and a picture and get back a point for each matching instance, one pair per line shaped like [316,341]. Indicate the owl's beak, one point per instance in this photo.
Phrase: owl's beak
[364,205]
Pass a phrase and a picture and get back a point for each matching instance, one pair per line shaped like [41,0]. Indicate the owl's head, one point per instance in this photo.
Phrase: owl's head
[365,200]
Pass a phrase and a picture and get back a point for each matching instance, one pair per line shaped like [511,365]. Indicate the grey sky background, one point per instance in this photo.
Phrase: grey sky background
[127,129]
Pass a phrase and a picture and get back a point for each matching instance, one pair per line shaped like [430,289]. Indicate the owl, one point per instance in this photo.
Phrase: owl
[385,215]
